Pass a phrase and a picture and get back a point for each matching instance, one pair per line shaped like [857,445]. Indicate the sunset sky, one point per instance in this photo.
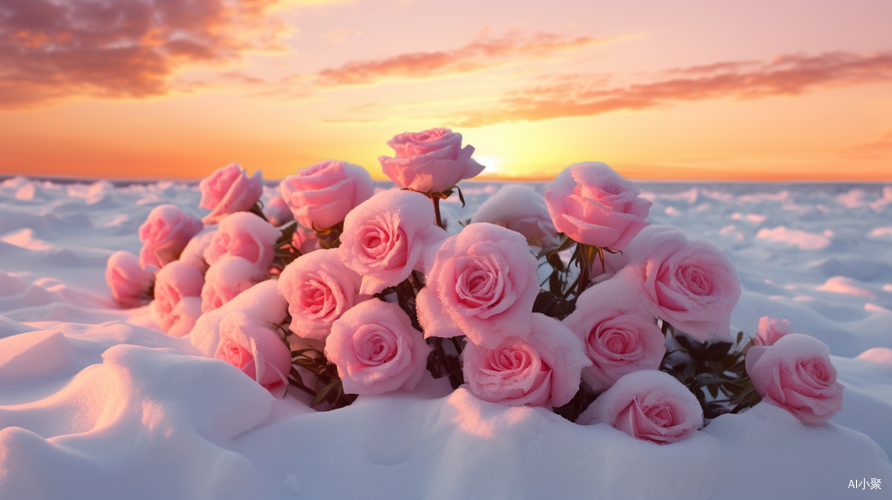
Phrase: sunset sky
[693,89]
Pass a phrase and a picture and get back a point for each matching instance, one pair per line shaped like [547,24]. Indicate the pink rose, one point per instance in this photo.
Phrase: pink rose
[193,254]
[165,234]
[618,338]
[385,236]
[319,289]
[690,284]
[321,195]
[376,349]
[255,350]
[542,369]
[594,205]
[648,405]
[277,212]
[244,235]
[771,330]
[128,281]
[432,161]
[796,374]
[305,240]
[173,283]
[227,278]
[520,209]
[482,284]
[229,190]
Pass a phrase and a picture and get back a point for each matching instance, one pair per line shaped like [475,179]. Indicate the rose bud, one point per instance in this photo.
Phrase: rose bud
[255,350]
[321,195]
[771,330]
[796,374]
[128,281]
[277,212]
[173,283]
[229,190]
[520,209]
[594,205]
[431,161]
[165,234]
[376,349]
[227,278]
[244,235]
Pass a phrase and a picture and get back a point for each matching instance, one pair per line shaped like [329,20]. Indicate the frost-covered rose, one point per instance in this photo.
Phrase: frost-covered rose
[128,281]
[690,284]
[771,330]
[227,278]
[796,374]
[319,289]
[648,405]
[431,161]
[321,195]
[520,209]
[376,349]
[482,284]
[594,205]
[277,212]
[229,190]
[165,234]
[193,254]
[618,340]
[174,283]
[244,235]
[255,350]
[542,369]
[385,236]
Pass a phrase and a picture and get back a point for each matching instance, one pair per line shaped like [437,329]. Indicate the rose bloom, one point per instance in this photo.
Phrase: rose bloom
[520,209]
[244,235]
[227,278]
[321,195]
[173,283]
[431,161]
[376,349]
[771,330]
[690,284]
[255,350]
[385,236]
[594,205]
[277,212]
[229,190]
[617,340]
[165,234]
[542,369]
[319,289]
[649,405]
[482,284]
[796,374]
[128,281]
[193,254]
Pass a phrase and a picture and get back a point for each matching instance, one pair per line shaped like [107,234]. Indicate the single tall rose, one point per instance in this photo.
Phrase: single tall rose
[128,281]
[771,330]
[321,195]
[376,349]
[319,289]
[277,212]
[796,374]
[255,350]
[542,369]
[690,284]
[649,405]
[244,235]
[431,161]
[229,190]
[618,338]
[227,278]
[165,234]
[482,284]
[385,236]
[173,283]
[594,205]
[520,209]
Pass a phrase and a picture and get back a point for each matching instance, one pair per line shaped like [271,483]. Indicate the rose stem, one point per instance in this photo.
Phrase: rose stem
[437,210]
[583,278]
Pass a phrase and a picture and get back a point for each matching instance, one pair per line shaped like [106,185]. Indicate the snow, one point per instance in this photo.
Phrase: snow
[96,402]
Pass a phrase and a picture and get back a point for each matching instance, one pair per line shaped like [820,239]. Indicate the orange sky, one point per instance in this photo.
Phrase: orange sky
[757,90]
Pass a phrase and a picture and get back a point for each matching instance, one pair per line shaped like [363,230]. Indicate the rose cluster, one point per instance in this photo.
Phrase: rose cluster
[375,294]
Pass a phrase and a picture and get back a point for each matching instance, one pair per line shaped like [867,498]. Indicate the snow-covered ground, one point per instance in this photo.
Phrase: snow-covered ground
[95,403]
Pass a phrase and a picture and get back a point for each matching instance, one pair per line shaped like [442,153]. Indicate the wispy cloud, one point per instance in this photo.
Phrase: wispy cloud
[880,148]
[787,75]
[120,48]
